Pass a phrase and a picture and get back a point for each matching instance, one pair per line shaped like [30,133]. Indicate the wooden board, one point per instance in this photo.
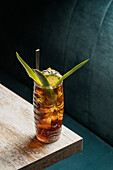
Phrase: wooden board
[19,148]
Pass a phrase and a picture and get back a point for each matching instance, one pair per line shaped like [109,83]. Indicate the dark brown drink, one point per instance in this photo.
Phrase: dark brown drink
[48,113]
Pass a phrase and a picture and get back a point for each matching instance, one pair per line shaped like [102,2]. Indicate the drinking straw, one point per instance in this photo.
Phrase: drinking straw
[37,53]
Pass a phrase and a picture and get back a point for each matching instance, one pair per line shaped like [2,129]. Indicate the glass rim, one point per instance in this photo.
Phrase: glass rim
[48,87]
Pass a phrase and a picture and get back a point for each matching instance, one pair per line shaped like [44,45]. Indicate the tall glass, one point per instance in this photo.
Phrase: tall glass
[48,114]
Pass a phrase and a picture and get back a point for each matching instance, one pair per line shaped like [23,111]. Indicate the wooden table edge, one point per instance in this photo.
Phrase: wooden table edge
[56,156]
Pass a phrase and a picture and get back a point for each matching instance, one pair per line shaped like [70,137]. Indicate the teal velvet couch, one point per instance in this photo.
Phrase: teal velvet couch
[67,32]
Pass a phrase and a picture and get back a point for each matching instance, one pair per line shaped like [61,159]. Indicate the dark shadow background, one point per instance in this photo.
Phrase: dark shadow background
[19,31]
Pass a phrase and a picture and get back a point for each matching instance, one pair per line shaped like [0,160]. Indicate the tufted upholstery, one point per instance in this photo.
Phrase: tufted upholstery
[74,31]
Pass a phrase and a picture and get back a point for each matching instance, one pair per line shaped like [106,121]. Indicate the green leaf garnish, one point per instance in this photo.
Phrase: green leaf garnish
[40,78]
[28,70]
[70,72]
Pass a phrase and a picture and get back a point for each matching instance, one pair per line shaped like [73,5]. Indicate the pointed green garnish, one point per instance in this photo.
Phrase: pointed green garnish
[70,72]
[35,74]
[28,70]
[41,79]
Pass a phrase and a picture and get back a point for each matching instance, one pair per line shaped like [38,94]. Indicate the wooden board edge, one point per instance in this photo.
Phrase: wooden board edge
[56,156]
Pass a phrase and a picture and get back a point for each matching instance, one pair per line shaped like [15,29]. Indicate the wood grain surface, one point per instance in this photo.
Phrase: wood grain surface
[19,148]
